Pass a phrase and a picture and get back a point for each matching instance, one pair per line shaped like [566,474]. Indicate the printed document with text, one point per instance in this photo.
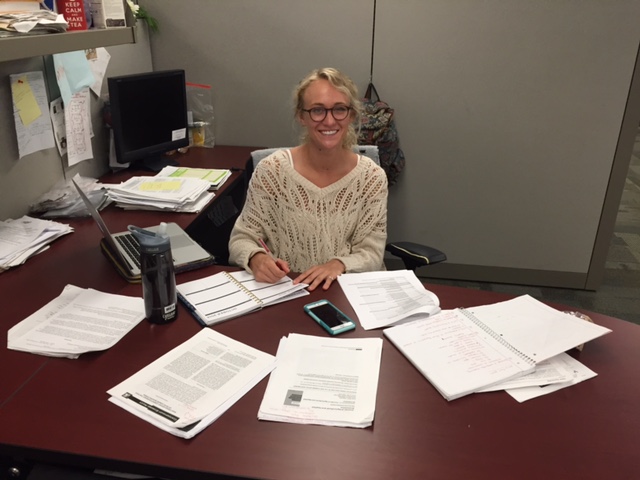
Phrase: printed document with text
[324,381]
[189,387]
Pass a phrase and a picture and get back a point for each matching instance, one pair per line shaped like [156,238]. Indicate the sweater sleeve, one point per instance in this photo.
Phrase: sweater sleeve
[243,242]
[369,239]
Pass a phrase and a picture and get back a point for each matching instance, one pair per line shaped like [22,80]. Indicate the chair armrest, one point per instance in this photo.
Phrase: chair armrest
[415,255]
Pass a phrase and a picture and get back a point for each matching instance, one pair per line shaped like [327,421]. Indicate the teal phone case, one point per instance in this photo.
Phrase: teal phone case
[328,316]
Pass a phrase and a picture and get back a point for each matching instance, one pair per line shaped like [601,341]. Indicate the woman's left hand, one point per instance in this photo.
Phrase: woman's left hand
[323,274]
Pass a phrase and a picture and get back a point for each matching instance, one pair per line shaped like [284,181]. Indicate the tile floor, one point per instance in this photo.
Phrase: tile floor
[619,294]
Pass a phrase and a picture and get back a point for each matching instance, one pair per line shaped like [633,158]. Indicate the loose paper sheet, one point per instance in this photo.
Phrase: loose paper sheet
[192,385]
[73,73]
[381,299]
[547,372]
[98,62]
[78,321]
[580,374]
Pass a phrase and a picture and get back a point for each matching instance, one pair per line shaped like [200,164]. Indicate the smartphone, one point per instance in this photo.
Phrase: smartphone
[329,317]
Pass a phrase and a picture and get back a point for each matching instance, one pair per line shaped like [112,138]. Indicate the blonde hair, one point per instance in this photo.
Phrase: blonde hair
[343,84]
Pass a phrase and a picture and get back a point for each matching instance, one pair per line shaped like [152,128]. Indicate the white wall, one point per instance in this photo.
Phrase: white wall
[509,113]
[253,53]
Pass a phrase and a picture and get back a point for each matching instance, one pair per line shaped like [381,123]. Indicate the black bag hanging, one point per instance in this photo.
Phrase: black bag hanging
[379,128]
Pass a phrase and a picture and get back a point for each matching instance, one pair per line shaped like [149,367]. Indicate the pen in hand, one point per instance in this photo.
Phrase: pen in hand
[264,245]
[273,257]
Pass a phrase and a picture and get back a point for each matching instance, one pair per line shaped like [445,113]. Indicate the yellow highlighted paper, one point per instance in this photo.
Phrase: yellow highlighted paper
[25,101]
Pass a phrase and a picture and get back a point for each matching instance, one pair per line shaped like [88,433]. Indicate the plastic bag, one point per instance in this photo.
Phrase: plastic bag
[200,115]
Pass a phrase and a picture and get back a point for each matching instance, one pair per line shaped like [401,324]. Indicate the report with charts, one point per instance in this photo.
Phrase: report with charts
[381,299]
[226,295]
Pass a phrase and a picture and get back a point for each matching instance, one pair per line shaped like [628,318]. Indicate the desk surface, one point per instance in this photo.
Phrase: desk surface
[77,259]
[56,410]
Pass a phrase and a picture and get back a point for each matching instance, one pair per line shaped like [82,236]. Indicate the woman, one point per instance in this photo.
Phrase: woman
[320,208]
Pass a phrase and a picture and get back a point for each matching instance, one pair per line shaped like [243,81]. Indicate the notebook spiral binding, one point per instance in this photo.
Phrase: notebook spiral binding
[244,289]
[496,336]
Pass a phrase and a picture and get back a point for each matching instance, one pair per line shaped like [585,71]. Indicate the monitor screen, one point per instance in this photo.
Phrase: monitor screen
[148,117]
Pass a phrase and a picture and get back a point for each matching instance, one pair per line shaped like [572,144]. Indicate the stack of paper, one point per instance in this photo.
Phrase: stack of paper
[324,381]
[551,375]
[543,333]
[19,6]
[63,200]
[381,299]
[215,176]
[483,348]
[78,321]
[25,237]
[457,353]
[161,193]
[189,387]
[31,23]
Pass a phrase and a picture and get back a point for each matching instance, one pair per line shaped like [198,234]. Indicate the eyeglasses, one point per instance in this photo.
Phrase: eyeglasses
[318,114]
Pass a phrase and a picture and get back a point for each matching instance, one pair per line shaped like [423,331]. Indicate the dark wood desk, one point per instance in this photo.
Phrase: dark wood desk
[76,258]
[60,412]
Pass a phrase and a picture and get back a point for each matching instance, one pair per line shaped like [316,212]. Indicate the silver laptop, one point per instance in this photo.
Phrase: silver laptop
[186,253]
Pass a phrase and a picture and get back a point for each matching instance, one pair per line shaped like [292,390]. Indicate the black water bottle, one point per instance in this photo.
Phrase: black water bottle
[158,274]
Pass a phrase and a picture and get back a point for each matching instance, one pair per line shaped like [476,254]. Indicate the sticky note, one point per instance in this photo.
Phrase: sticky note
[25,101]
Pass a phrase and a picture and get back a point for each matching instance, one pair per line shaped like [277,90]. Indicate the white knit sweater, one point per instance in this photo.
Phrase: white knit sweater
[307,225]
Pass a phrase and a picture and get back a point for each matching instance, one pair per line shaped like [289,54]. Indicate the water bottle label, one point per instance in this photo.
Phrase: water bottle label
[169,312]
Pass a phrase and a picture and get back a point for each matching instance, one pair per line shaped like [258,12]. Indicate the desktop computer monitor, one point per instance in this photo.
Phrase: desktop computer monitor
[149,117]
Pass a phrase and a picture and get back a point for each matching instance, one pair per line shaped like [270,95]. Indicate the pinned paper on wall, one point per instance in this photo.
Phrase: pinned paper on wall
[56,112]
[77,121]
[33,129]
[98,61]
[73,73]
[25,101]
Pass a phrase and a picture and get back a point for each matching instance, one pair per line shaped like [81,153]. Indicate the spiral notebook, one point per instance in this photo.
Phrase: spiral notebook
[227,295]
[458,353]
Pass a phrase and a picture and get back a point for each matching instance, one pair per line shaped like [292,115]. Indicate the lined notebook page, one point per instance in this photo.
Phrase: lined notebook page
[457,353]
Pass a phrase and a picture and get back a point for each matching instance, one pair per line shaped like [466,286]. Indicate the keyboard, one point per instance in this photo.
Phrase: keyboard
[131,245]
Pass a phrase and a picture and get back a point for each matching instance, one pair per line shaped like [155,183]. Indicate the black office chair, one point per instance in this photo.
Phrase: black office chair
[413,255]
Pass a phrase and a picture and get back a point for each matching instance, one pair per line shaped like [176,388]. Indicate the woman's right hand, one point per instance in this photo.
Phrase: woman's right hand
[266,269]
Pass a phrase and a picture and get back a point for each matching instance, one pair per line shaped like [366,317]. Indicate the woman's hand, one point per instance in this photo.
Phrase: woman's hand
[266,269]
[323,274]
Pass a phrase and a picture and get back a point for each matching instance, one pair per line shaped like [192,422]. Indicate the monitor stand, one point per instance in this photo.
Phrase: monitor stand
[154,163]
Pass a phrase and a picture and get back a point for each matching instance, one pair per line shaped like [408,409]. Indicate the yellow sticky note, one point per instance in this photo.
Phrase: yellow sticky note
[25,101]
[161,186]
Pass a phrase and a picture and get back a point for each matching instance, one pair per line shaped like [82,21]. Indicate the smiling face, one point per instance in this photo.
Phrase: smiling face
[328,133]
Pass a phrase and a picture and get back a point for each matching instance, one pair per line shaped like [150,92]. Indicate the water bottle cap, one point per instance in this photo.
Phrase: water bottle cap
[152,242]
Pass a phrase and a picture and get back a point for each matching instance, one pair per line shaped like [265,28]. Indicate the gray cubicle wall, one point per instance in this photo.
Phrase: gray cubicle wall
[510,113]
[22,181]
